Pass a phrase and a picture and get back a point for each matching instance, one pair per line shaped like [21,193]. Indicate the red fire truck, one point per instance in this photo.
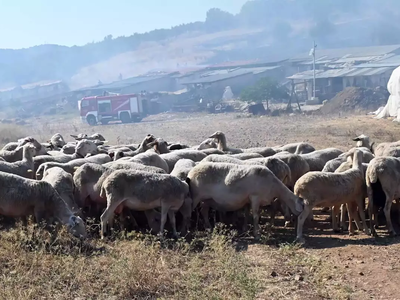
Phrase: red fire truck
[110,107]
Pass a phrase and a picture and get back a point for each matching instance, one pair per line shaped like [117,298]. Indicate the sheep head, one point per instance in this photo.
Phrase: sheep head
[207,144]
[362,141]
[76,226]
[217,135]
[85,147]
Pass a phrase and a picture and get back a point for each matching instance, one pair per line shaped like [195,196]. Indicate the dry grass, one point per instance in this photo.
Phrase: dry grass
[220,265]
[138,268]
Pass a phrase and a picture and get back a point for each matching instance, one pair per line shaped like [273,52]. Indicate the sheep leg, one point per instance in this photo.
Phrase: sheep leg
[108,215]
[353,206]
[164,213]
[300,223]
[350,212]
[335,212]
[343,211]
[386,210]
[371,211]
[172,220]
[361,211]
[246,211]
[255,207]
[204,213]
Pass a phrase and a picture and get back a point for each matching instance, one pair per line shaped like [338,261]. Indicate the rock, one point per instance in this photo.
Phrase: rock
[274,274]
[298,277]
[361,273]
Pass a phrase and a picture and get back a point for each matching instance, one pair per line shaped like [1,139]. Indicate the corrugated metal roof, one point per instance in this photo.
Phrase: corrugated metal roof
[351,52]
[122,83]
[209,78]
[218,75]
[350,72]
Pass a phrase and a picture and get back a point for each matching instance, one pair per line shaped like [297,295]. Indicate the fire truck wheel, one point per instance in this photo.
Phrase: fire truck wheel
[125,118]
[91,120]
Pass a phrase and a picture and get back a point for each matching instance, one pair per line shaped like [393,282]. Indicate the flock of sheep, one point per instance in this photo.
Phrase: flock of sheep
[64,183]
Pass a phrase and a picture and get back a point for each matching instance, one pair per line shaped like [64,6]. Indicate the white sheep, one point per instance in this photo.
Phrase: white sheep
[383,186]
[21,197]
[331,189]
[229,187]
[23,167]
[63,183]
[143,191]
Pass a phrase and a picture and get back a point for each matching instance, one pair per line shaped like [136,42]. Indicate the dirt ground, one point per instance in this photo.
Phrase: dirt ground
[329,266]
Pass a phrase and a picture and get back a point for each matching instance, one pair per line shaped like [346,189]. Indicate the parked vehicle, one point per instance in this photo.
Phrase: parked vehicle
[110,107]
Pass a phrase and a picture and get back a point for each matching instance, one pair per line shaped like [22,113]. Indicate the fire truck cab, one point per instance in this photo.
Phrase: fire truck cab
[110,107]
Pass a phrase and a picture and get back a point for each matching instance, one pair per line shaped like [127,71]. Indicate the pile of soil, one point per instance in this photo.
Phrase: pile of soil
[356,99]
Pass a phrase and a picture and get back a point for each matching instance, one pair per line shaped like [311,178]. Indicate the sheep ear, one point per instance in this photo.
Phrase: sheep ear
[356,139]
[76,168]
[111,154]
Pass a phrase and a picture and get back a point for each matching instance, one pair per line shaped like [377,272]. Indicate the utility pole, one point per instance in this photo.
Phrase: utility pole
[313,54]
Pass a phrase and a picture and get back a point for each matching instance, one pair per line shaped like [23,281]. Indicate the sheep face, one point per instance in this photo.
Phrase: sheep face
[207,144]
[362,141]
[76,226]
[85,147]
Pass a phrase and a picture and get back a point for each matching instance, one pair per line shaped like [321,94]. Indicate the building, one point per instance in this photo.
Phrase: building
[150,82]
[337,69]
[29,92]
[342,57]
[216,80]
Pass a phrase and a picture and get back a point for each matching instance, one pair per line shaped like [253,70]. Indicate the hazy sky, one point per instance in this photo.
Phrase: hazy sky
[25,23]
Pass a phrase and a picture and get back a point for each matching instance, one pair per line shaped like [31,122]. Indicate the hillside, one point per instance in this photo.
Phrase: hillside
[263,28]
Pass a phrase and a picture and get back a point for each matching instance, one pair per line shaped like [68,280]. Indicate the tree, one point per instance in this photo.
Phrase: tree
[218,19]
[265,89]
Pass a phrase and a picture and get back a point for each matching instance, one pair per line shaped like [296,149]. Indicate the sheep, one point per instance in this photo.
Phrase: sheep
[70,166]
[317,159]
[23,167]
[16,155]
[149,158]
[63,183]
[182,168]
[173,157]
[300,148]
[94,136]
[229,159]
[383,148]
[297,164]
[143,191]
[41,149]
[210,151]
[331,189]
[230,187]
[244,156]
[21,197]
[206,144]
[333,164]
[362,141]
[221,142]
[57,141]
[382,179]
[145,145]
[347,165]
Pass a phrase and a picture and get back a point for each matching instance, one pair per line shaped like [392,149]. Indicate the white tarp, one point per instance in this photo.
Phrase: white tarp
[393,105]
[228,95]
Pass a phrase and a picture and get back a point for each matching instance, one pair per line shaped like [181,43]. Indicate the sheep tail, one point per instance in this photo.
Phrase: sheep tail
[372,175]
